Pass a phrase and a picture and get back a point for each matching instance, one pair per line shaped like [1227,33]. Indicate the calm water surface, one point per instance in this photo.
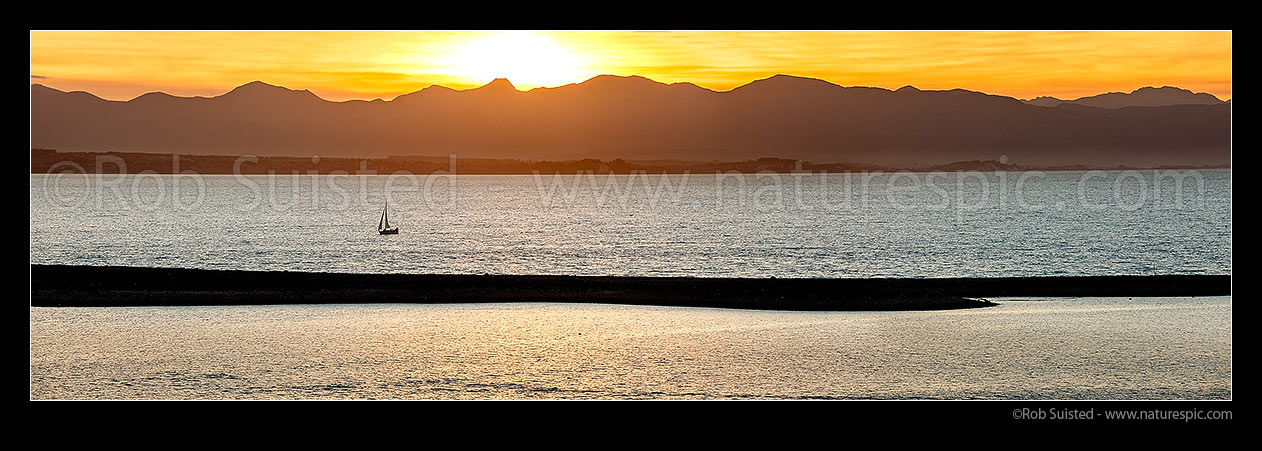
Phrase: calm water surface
[806,225]
[1095,348]
[812,225]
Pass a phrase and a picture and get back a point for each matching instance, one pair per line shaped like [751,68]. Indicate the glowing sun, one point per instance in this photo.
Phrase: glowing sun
[526,59]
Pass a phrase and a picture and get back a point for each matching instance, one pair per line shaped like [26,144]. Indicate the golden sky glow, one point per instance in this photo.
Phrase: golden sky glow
[341,65]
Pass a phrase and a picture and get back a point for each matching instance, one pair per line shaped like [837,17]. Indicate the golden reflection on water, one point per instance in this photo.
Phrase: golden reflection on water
[1103,348]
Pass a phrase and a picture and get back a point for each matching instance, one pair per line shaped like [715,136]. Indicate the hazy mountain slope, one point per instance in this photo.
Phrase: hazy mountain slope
[1146,96]
[633,117]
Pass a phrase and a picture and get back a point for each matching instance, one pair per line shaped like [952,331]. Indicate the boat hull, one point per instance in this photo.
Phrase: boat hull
[394,231]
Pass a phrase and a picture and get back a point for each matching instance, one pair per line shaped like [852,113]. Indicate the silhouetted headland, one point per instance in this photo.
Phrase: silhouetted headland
[111,286]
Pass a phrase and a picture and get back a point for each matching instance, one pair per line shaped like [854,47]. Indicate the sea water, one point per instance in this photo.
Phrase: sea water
[1088,348]
[954,224]
[702,225]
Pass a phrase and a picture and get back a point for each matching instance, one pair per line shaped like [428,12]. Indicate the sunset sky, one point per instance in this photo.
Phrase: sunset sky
[342,65]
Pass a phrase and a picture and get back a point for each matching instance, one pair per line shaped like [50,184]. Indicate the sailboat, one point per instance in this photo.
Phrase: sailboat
[383,227]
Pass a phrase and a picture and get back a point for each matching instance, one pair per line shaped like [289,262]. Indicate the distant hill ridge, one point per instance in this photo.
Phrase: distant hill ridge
[1145,96]
[635,117]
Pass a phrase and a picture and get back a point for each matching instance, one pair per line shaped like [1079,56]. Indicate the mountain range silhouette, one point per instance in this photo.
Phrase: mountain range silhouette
[633,117]
[1146,96]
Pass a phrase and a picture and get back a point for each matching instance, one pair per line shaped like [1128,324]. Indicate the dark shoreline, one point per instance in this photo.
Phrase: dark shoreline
[45,161]
[114,286]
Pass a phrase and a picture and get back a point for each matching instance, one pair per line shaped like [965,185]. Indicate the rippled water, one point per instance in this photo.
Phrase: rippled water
[799,225]
[803,225]
[1097,348]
